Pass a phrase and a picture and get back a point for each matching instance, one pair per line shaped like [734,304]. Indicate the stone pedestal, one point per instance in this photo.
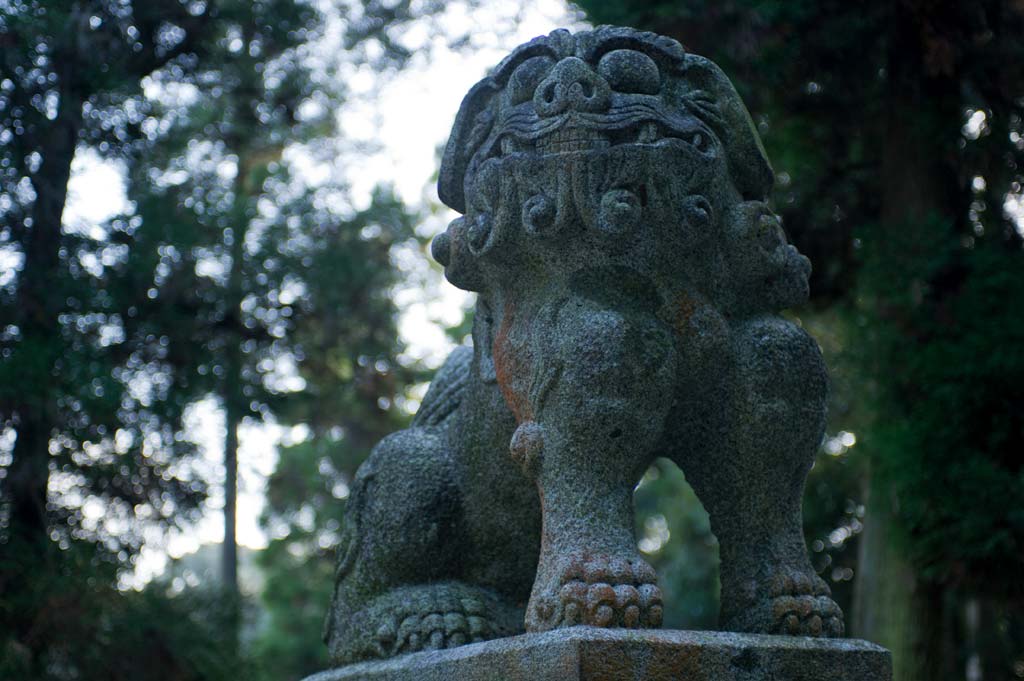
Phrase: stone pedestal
[591,654]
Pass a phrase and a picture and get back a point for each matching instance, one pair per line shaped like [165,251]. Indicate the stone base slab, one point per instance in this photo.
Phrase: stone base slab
[591,654]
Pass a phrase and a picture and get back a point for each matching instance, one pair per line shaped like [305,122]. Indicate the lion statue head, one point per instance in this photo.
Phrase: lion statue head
[613,149]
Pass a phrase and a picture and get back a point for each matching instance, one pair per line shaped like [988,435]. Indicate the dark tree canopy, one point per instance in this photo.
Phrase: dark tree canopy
[89,382]
[227,275]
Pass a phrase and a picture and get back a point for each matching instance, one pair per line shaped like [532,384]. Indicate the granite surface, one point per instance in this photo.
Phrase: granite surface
[593,654]
[630,276]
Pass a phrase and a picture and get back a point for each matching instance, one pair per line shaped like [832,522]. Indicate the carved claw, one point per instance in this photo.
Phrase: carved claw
[806,616]
[445,619]
[651,605]
[434,631]
[801,605]
[603,592]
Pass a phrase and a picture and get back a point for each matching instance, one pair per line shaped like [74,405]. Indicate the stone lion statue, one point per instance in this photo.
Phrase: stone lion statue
[629,274]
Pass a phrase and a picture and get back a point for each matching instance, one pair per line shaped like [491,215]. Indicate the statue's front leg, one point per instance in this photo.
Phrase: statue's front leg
[595,407]
[589,570]
[752,481]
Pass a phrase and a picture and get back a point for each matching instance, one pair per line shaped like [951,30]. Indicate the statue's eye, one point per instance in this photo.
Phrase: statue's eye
[630,71]
[526,77]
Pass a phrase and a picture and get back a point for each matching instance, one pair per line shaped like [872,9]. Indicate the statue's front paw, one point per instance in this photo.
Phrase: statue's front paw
[599,591]
[801,605]
[792,603]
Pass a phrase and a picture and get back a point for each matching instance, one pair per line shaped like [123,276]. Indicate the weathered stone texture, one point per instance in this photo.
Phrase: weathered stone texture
[630,275]
[591,654]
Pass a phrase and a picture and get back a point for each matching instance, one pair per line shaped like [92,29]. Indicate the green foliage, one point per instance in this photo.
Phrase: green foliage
[675,536]
[290,290]
[833,509]
[228,275]
[230,225]
[91,630]
[88,383]
[949,434]
[305,509]
[353,379]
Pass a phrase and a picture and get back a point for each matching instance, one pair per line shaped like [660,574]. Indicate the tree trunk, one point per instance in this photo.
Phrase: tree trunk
[893,605]
[39,301]
[233,400]
[229,548]
[232,395]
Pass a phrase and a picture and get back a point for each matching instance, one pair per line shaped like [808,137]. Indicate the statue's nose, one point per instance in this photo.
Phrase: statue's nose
[571,86]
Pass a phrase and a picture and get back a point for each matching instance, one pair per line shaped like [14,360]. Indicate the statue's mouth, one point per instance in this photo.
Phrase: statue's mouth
[567,139]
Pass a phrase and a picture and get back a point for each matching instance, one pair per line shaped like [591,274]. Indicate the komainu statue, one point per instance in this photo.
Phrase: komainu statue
[629,273]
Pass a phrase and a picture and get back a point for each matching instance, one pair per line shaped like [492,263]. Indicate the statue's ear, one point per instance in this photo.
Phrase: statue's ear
[748,162]
[472,125]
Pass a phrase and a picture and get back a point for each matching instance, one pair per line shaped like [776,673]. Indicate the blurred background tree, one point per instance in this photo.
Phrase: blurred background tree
[208,182]
[88,384]
[276,283]
[225,275]
[349,348]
